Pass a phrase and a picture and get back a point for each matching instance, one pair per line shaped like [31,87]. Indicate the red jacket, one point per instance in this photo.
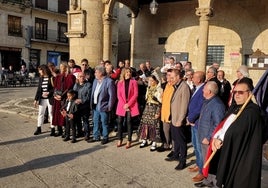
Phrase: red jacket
[132,99]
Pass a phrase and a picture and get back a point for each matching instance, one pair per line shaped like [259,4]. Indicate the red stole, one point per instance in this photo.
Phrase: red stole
[209,152]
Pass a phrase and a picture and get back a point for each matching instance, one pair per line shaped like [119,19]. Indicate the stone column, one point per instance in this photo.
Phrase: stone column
[132,34]
[86,40]
[107,35]
[204,14]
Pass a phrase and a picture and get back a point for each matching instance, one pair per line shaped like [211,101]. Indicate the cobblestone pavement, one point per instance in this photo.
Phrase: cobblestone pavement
[44,161]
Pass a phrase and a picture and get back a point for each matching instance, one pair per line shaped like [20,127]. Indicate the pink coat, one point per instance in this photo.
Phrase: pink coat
[132,98]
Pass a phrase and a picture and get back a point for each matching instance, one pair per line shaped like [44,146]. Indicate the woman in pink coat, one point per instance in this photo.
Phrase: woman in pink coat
[127,106]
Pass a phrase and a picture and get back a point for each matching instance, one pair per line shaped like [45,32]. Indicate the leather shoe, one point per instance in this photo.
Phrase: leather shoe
[170,154]
[161,149]
[193,169]
[171,159]
[66,139]
[202,184]
[180,166]
[86,138]
[104,141]
[199,177]
[93,140]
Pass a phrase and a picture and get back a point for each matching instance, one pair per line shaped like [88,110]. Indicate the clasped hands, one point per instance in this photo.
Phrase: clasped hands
[64,114]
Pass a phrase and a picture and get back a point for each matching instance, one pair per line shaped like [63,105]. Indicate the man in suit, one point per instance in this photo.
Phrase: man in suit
[103,97]
[179,106]
[194,109]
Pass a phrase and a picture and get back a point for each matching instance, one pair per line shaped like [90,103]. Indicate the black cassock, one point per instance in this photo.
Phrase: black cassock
[241,154]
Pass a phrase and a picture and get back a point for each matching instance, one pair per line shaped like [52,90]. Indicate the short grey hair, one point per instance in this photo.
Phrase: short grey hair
[101,69]
[213,87]
[243,69]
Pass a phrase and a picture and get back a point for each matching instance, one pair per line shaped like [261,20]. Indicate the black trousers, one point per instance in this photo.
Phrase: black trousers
[70,124]
[127,119]
[180,144]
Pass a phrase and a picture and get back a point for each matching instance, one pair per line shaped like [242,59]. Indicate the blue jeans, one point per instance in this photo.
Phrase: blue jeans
[197,148]
[103,116]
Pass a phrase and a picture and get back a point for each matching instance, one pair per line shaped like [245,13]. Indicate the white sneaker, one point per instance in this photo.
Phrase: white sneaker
[143,144]
[153,147]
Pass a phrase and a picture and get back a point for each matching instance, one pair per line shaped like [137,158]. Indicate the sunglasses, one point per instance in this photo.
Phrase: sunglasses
[240,92]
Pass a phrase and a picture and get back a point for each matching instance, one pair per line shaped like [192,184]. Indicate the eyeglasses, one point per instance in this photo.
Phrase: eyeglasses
[84,64]
[240,92]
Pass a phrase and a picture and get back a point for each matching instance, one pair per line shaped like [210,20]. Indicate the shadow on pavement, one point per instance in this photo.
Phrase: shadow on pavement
[28,139]
[45,162]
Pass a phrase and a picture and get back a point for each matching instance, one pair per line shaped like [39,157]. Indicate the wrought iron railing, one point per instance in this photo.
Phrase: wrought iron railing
[48,35]
[26,3]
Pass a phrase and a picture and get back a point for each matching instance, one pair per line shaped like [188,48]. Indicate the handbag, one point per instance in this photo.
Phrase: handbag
[57,92]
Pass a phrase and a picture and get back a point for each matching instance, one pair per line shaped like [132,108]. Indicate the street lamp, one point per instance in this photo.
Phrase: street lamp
[153,7]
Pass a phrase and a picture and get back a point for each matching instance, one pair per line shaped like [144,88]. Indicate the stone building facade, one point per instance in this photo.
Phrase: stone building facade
[228,32]
[32,32]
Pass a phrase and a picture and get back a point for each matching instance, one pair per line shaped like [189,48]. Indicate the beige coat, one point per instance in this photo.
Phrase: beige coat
[179,104]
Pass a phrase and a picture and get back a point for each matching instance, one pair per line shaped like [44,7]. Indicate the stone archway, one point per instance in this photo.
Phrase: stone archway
[95,42]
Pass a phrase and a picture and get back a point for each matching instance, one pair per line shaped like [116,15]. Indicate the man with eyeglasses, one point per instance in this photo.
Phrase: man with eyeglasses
[238,142]
[87,70]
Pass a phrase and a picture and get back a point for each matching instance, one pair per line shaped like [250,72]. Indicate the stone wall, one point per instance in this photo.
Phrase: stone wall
[89,46]
[241,28]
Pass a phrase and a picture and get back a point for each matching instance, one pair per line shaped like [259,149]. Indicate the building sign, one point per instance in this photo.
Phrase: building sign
[76,23]
[181,57]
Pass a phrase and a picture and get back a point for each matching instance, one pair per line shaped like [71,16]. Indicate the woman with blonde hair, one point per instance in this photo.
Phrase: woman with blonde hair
[127,106]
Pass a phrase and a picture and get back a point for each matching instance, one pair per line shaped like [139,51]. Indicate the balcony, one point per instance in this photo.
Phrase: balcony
[25,3]
[46,36]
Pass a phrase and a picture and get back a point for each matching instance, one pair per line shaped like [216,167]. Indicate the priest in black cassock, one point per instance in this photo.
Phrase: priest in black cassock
[240,142]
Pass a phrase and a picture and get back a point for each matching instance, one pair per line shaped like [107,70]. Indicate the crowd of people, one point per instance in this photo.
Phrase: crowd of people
[11,77]
[172,105]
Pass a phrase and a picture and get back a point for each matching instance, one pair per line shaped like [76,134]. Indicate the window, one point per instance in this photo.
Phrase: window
[41,4]
[40,28]
[34,59]
[63,6]
[14,26]
[62,28]
[215,54]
